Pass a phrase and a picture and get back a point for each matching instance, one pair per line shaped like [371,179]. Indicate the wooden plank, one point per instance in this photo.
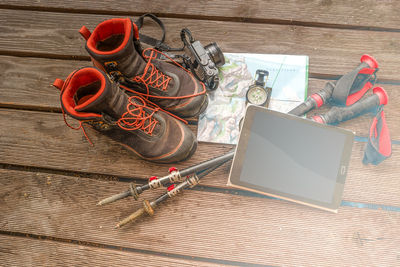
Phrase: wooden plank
[20,251]
[381,182]
[365,13]
[41,139]
[201,224]
[29,82]
[331,51]
[46,137]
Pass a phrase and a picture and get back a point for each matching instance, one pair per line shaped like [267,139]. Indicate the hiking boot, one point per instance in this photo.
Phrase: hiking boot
[114,47]
[90,97]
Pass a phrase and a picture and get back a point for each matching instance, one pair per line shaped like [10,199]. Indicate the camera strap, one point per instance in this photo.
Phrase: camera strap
[158,44]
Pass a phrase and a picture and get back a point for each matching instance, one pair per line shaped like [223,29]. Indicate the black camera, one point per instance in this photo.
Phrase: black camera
[202,60]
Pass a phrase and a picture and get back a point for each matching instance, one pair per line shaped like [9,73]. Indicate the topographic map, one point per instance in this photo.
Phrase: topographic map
[288,76]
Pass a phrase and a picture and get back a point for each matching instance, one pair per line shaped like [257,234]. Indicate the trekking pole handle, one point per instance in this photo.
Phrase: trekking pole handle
[314,101]
[339,114]
[320,98]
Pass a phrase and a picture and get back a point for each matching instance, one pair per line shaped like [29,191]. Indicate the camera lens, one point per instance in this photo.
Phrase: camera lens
[215,53]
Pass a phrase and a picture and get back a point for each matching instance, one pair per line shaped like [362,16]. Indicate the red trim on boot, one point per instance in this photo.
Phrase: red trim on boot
[58,83]
[108,28]
[76,80]
[85,32]
[98,65]
[135,31]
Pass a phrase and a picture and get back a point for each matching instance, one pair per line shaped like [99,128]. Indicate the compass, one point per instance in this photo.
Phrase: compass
[258,94]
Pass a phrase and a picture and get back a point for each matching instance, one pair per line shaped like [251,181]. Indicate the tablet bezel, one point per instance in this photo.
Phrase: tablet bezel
[238,160]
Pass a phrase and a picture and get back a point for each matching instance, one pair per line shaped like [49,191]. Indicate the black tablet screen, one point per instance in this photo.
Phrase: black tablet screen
[293,157]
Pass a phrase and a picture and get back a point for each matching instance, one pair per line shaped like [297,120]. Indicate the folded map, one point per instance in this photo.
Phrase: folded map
[288,77]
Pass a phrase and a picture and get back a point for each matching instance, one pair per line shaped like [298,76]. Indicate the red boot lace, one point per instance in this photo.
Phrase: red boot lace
[157,79]
[135,117]
[67,81]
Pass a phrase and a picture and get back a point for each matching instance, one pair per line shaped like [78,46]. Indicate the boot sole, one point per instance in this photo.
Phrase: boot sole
[188,156]
[204,106]
[163,161]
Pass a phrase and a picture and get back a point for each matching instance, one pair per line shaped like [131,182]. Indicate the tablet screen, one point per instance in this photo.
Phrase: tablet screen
[293,158]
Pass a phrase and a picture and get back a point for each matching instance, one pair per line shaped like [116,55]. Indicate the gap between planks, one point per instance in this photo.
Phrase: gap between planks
[34,55]
[236,229]
[200,187]
[318,43]
[45,142]
[241,19]
[25,249]
[14,236]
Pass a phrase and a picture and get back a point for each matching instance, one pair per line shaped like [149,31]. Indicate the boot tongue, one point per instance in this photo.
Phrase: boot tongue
[158,71]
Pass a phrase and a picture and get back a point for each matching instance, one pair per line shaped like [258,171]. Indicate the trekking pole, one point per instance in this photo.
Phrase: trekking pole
[172,191]
[345,91]
[314,101]
[174,176]
[339,114]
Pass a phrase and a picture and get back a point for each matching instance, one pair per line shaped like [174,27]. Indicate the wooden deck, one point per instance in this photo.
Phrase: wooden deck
[51,179]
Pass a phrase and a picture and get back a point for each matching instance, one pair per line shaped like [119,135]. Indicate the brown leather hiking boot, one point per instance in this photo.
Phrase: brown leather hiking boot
[114,47]
[90,97]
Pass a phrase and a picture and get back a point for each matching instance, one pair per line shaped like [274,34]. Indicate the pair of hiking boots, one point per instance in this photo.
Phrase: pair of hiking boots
[143,110]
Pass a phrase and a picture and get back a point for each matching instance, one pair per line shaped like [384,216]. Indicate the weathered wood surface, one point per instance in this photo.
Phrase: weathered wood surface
[331,51]
[23,77]
[50,178]
[363,13]
[20,251]
[44,141]
[27,82]
[224,227]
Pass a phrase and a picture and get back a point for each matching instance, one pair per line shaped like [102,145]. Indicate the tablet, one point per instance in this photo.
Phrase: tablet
[291,158]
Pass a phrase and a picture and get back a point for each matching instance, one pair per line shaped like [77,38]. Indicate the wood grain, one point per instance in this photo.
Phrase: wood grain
[364,13]
[41,139]
[200,224]
[20,251]
[57,146]
[211,225]
[331,51]
[26,82]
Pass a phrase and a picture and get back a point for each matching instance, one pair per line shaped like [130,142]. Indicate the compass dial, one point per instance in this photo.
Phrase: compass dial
[256,95]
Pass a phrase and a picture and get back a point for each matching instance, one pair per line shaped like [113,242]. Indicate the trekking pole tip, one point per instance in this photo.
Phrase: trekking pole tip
[130,218]
[114,198]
